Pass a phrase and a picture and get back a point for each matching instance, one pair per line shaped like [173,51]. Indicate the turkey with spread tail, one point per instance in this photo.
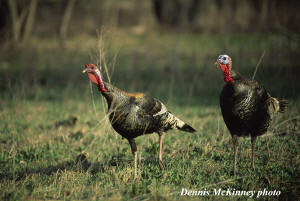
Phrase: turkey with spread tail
[135,114]
[246,106]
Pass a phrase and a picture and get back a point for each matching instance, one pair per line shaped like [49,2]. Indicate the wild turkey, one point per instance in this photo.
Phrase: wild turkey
[246,106]
[135,114]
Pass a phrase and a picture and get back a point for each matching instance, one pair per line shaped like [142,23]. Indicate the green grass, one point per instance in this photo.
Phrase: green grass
[42,85]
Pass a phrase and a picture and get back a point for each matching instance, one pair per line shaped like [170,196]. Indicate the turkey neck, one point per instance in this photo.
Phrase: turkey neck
[114,96]
[236,76]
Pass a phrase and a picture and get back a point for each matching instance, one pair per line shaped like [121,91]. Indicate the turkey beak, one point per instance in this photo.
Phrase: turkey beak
[85,70]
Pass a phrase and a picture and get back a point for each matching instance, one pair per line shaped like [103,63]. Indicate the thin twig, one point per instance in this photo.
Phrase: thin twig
[114,60]
[102,54]
[94,105]
[257,65]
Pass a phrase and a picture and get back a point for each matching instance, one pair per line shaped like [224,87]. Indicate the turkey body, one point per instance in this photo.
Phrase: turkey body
[132,115]
[247,109]
[135,114]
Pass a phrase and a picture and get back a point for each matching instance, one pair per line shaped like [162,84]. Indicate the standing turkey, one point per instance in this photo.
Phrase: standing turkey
[135,114]
[246,106]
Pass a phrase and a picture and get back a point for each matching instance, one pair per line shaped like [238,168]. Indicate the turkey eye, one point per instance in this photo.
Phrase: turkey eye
[224,58]
[92,67]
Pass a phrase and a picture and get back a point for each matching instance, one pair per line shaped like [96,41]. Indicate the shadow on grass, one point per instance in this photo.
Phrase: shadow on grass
[80,164]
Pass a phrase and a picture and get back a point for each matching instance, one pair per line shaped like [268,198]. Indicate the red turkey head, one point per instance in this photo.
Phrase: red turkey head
[95,76]
[224,61]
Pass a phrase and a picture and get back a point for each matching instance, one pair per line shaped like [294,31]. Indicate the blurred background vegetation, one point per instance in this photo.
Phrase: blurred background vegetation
[21,19]
[42,40]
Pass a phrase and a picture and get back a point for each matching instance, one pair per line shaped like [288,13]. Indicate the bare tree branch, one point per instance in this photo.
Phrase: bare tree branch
[16,20]
[30,19]
[66,19]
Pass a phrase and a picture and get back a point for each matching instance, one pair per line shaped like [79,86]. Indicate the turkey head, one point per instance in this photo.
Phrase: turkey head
[95,76]
[225,63]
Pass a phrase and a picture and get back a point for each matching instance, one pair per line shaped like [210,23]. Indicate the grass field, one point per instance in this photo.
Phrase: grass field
[43,91]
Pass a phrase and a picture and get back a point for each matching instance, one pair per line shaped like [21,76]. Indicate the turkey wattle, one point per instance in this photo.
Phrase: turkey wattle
[246,106]
[135,114]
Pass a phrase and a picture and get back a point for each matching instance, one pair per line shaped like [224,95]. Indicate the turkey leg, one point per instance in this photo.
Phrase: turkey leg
[236,147]
[160,162]
[253,141]
[134,152]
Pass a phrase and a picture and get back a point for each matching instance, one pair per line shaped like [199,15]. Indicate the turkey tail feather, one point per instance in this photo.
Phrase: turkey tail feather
[277,105]
[187,128]
[282,105]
